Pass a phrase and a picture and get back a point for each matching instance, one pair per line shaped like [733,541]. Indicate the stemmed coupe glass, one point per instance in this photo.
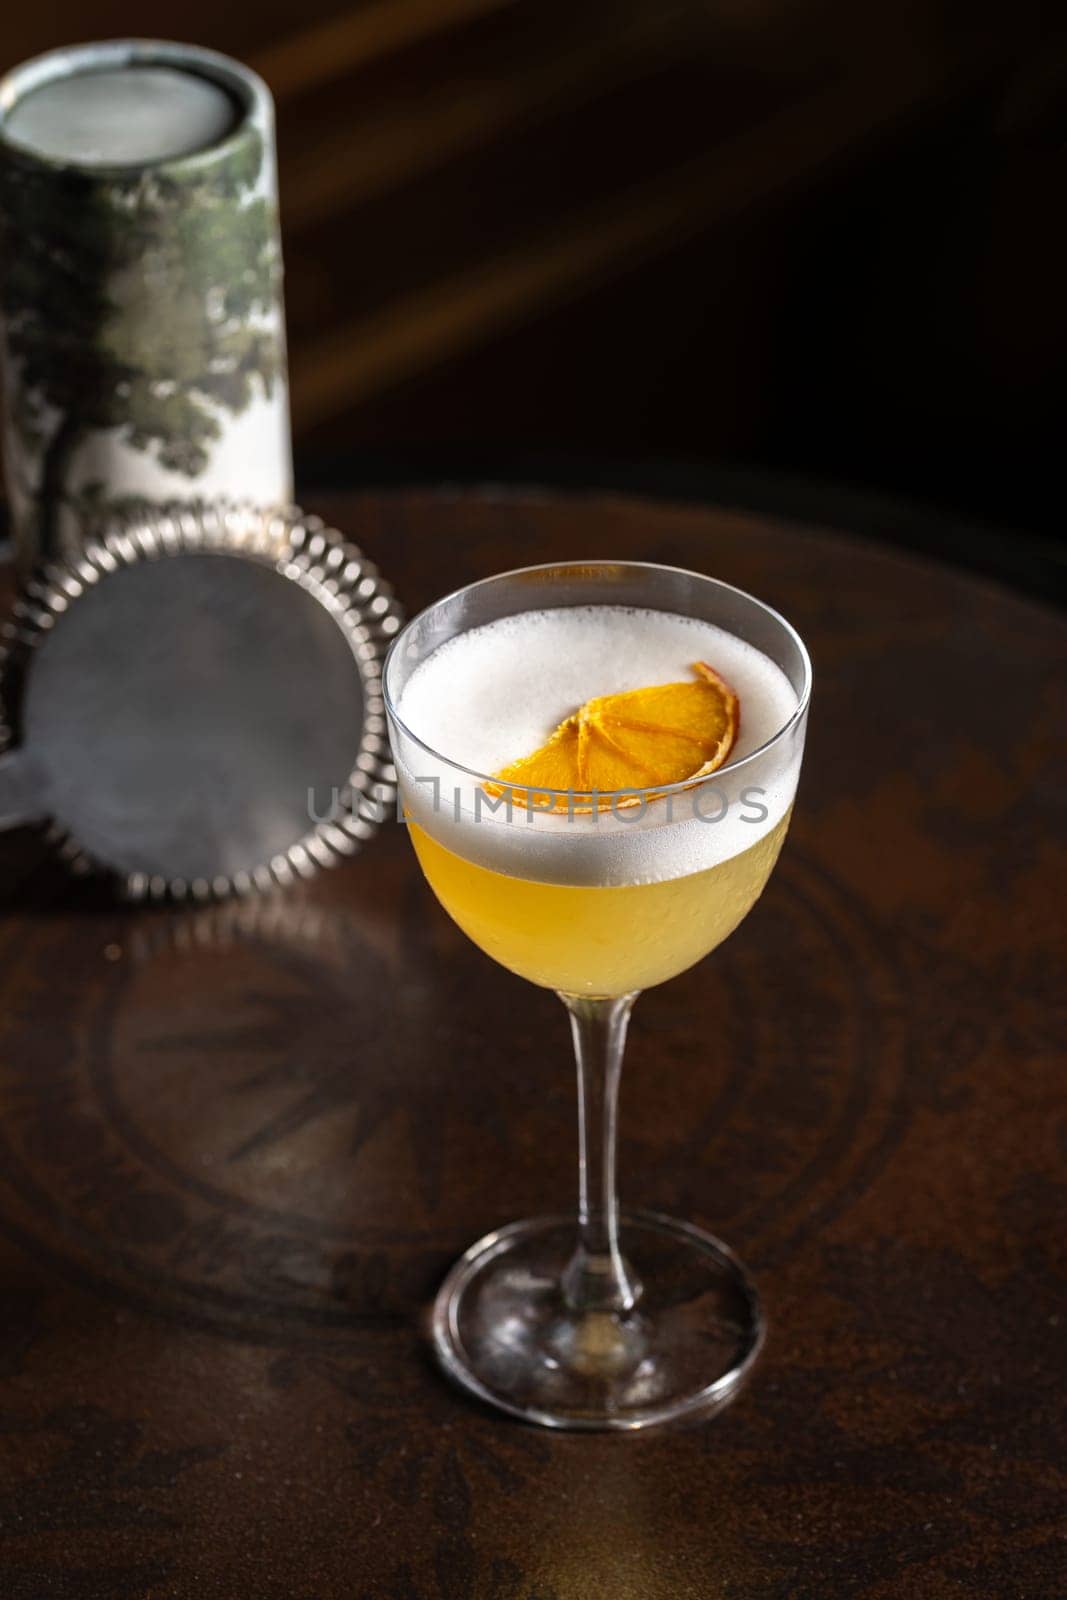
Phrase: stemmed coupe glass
[613,1320]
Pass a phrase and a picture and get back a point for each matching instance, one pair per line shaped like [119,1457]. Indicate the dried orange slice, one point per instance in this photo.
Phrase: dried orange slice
[639,739]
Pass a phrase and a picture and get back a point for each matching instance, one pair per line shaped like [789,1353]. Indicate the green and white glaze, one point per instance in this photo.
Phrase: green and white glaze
[142,332]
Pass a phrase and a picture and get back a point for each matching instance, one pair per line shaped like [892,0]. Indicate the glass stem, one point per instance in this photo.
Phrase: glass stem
[597,1277]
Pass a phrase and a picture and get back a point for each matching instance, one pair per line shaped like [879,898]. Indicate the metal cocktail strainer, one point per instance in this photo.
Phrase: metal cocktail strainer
[195,702]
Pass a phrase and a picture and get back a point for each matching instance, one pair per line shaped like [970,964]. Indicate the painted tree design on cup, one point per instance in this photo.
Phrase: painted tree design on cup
[144,306]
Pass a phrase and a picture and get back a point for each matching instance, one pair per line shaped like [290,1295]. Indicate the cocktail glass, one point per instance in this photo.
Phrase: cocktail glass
[616,1320]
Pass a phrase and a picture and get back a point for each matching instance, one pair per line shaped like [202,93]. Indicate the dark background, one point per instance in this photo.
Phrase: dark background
[803,256]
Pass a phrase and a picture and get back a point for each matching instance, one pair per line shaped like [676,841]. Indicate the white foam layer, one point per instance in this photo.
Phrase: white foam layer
[497,692]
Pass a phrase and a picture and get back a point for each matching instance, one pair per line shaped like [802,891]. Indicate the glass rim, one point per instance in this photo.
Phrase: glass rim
[660,789]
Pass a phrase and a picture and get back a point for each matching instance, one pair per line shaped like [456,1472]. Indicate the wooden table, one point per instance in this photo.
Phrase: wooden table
[239,1147]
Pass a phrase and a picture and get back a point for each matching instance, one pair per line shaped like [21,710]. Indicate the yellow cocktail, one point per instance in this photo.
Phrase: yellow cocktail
[525,712]
[598,941]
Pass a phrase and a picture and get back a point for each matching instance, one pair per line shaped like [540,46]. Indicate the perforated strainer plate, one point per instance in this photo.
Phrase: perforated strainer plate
[195,704]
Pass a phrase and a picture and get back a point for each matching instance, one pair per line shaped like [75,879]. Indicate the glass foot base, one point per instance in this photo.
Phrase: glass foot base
[502,1329]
